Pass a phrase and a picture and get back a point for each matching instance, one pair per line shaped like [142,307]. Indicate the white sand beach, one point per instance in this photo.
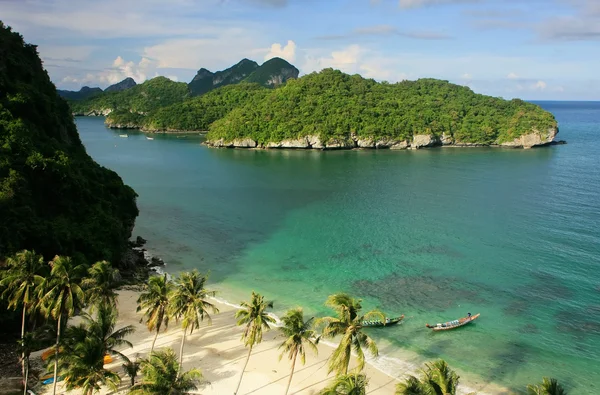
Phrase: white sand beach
[218,352]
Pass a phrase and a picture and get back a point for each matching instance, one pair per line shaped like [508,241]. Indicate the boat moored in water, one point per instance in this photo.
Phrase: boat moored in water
[386,322]
[123,135]
[453,324]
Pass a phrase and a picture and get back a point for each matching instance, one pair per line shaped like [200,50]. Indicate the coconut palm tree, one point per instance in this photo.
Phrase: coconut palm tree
[82,362]
[437,379]
[298,335]
[21,282]
[84,347]
[348,325]
[548,386]
[101,283]
[61,296]
[347,384]
[256,319]
[155,300]
[161,376]
[188,302]
[32,341]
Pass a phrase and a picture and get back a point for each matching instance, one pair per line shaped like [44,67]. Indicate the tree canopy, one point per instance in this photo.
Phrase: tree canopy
[53,197]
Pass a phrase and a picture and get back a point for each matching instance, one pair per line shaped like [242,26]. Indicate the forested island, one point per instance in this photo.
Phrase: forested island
[325,110]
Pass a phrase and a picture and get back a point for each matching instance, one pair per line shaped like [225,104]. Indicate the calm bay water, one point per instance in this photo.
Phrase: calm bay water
[433,234]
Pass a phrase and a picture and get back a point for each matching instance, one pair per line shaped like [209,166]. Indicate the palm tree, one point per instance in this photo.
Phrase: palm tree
[348,325]
[255,317]
[188,301]
[437,379]
[161,376]
[21,282]
[155,299]
[131,369]
[62,296]
[32,341]
[347,384]
[85,346]
[548,386]
[101,284]
[297,333]
[82,362]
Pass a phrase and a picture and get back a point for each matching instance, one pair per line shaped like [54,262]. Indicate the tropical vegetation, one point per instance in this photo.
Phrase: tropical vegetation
[53,197]
[548,386]
[347,384]
[189,303]
[155,301]
[161,376]
[298,335]
[437,379]
[336,107]
[255,319]
[347,324]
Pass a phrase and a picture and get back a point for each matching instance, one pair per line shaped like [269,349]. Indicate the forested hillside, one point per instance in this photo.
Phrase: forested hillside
[54,198]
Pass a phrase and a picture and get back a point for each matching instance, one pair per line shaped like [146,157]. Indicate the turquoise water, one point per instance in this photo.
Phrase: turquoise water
[432,234]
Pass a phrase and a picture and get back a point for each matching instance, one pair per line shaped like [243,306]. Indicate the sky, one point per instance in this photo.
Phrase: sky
[531,49]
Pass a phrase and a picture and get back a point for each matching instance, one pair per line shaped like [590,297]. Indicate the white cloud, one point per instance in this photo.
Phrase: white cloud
[541,85]
[287,52]
[512,76]
[466,76]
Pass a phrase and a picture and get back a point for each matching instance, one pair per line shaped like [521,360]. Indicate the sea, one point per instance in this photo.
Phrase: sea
[433,234]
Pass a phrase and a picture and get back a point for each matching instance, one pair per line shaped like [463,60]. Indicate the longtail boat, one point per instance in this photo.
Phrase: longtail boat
[386,322]
[453,324]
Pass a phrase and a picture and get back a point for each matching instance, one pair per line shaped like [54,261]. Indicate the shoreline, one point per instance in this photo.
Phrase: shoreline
[219,353]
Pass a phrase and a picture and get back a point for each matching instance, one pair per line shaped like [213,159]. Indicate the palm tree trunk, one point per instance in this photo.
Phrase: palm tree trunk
[23,352]
[56,356]
[26,377]
[154,341]
[181,351]
[242,375]
[291,374]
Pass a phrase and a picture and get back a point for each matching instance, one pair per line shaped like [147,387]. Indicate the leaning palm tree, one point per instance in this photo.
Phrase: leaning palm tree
[347,384]
[437,379]
[256,319]
[101,283]
[188,302]
[298,334]
[32,341]
[548,386]
[61,296]
[161,376]
[21,282]
[155,300]
[348,325]
[103,328]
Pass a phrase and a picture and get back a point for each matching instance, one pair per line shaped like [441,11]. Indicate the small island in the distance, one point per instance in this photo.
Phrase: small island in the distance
[251,106]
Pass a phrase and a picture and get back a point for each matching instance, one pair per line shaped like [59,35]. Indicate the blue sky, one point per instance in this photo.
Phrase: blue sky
[533,49]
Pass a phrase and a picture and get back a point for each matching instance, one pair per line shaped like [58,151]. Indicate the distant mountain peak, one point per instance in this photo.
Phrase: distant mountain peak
[273,72]
[205,81]
[121,86]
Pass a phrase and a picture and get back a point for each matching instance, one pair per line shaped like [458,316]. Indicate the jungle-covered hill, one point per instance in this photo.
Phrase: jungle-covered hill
[54,198]
[337,110]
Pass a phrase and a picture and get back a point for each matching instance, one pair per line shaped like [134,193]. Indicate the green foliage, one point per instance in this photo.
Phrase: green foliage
[437,379]
[151,95]
[334,105]
[348,325]
[81,355]
[298,335]
[161,376]
[347,384]
[100,285]
[125,118]
[198,113]
[155,300]
[548,386]
[273,68]
[53,197]
[84,93]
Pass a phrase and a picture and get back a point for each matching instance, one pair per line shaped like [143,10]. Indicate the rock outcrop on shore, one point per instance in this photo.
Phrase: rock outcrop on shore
[533,139]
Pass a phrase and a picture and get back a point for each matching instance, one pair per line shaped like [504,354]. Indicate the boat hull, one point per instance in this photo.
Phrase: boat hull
[446,326]
[377,323]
